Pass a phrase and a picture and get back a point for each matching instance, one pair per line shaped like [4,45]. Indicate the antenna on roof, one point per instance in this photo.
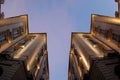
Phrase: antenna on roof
[1,13]
[117,13]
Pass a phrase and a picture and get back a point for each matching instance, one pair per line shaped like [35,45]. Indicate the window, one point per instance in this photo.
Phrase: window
[104,33]
[15,33]
[96,29]
[21,29]
[116,37]
[3,37]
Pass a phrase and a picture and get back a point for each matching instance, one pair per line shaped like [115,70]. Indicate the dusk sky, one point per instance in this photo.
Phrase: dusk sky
[58,18]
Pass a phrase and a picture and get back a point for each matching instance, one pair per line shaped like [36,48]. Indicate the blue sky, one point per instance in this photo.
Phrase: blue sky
[58,18]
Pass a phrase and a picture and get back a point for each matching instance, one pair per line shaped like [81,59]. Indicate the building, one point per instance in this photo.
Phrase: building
[96,55]
[23,55]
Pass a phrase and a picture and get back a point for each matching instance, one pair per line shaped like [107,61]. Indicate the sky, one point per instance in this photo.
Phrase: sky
[58,18]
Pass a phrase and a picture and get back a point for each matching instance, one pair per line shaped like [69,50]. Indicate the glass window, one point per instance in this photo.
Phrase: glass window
[15,33]
[116,37]
[22,28]
[96,29]
[104,33]
[2,38]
